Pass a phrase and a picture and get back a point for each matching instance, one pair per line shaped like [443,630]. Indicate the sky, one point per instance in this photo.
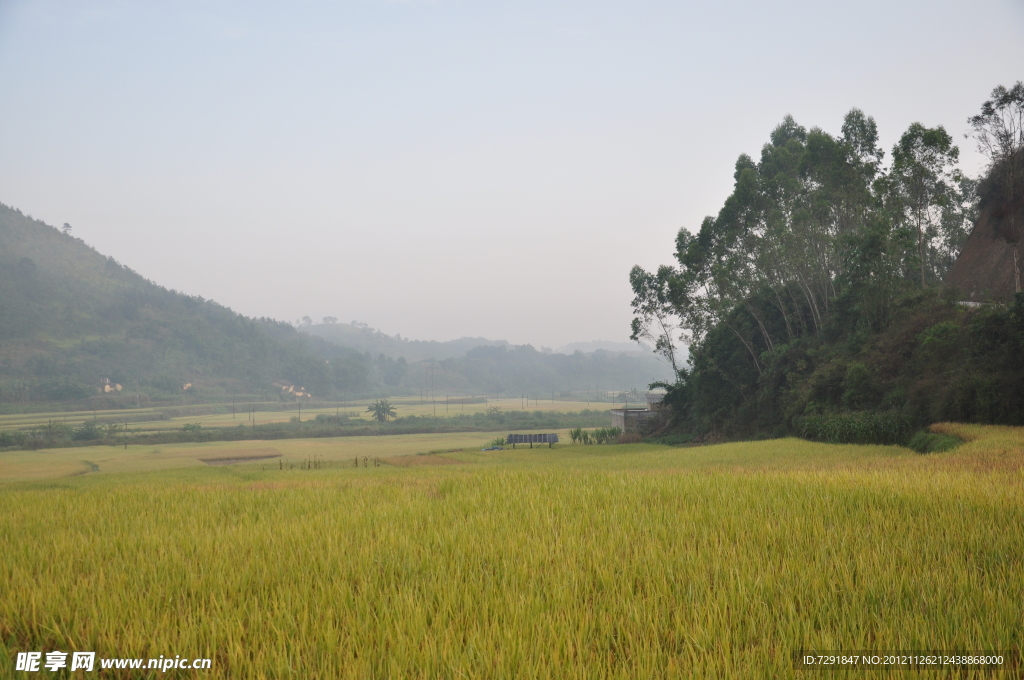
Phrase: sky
[443,168]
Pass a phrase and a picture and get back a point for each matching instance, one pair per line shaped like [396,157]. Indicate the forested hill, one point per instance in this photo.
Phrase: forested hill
[71,318]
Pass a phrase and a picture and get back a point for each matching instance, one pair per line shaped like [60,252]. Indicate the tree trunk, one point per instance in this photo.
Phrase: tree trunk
[920,248]
[760,324]
[1016,264]
[750,347]
[785,317]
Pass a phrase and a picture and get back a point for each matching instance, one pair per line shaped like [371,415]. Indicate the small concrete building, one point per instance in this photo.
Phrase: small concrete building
[631,419]
[638,419]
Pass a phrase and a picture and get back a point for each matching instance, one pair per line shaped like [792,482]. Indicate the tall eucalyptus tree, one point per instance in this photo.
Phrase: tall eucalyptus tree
[925,177]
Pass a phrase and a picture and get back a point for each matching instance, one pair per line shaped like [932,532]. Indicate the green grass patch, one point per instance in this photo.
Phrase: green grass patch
[931,442]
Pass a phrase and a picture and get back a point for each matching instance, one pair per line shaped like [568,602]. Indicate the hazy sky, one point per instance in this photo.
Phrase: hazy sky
[441,169]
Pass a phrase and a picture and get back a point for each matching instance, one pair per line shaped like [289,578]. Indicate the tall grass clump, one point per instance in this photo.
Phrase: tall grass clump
[933,442]
[602,435]
[864,427]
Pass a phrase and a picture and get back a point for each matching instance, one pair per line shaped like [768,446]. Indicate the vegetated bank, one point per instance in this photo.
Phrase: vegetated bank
[815,303]
[57,435]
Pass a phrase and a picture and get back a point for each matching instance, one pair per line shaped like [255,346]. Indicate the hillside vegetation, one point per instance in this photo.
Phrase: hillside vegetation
[70,317]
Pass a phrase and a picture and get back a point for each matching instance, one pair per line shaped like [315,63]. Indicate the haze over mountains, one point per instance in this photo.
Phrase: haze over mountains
[72,319]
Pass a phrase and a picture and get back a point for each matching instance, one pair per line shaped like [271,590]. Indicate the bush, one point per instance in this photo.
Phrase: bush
[865,427]
[327,419]
[929,442]
[87,432]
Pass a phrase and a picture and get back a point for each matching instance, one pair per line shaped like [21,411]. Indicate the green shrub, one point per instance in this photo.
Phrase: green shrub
[859,390]
[87,432]
[930,442]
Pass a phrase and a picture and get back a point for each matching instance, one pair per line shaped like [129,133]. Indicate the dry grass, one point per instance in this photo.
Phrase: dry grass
[58,463]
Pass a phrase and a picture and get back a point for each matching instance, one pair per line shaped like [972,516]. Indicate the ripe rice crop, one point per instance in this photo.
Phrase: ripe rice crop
[628,561]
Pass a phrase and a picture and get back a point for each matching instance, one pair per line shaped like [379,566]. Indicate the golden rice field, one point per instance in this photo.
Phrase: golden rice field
[631,561]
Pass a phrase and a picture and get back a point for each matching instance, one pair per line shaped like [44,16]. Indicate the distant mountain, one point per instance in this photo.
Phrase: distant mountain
[362,338]
[479,365]
[522,369]
[606,345]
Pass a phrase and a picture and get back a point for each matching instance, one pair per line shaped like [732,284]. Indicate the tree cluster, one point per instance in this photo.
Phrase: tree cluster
[823,241]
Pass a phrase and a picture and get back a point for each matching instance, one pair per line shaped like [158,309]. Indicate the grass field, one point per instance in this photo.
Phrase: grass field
[575,562]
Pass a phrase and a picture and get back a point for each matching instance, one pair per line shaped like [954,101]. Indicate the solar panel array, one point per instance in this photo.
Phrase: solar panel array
[532,439]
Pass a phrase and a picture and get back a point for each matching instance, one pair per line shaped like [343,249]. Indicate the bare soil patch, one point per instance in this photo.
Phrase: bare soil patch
[248,456]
